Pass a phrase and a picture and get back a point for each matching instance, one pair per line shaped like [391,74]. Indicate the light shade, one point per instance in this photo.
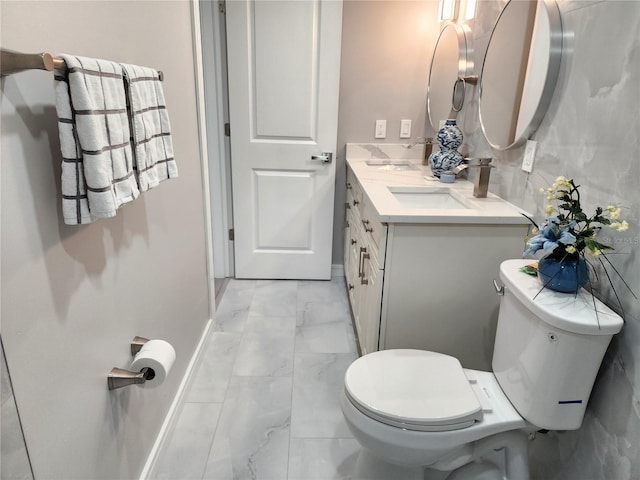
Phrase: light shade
[446,10]
[469,10]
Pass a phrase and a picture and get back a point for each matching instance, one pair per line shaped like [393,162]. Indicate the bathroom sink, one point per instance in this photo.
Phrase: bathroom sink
[392,164]
[427,197]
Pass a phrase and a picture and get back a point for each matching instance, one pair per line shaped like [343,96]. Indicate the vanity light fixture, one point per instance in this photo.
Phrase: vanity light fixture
[467,9]
[447,10]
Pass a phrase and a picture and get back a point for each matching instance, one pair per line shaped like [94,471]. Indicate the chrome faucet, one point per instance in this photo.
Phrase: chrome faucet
[481,181]
[428,147]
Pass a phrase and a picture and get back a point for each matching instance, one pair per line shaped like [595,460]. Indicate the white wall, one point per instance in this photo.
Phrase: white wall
[74,296]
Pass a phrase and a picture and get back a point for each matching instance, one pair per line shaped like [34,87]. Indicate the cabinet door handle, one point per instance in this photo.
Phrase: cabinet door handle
[348,186]
[347,206]
[353,241]
[363,280]
[351,286]
[367,229]
[355,202]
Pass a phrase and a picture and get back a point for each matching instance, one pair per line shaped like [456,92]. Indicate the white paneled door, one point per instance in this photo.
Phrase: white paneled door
[284,68]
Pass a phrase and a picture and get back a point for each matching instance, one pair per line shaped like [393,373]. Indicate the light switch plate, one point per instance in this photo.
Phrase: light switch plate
[529,155]
[405,128]
[381,129]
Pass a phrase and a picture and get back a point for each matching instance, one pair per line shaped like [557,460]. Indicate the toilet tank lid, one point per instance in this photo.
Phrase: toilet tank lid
[580,313]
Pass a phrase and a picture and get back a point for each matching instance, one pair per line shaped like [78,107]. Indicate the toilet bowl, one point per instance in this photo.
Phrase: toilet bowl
[385,408]
[417,413]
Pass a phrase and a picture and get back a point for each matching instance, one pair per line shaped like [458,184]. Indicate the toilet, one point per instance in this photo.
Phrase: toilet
[421,415]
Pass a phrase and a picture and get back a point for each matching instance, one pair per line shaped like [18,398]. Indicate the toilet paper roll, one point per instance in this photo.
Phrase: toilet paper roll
[157,355]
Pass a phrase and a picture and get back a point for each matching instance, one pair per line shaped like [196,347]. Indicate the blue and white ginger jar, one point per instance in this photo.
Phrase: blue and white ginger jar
[447,158]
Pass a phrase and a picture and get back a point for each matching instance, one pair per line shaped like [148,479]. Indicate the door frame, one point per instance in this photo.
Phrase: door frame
[212,105]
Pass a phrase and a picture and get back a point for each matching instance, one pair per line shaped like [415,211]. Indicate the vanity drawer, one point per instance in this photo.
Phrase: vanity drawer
[375,230]
[355,194]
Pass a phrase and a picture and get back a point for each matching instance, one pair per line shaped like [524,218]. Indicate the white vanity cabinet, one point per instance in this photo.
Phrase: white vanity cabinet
[425,285]
[363,272]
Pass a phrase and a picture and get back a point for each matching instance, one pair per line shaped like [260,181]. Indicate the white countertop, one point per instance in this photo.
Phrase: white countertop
[376,182]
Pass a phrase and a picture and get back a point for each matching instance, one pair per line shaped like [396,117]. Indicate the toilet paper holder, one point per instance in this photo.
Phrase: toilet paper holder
[119,377]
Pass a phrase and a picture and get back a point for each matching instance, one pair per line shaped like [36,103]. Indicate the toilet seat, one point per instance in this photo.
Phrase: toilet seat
[413,389]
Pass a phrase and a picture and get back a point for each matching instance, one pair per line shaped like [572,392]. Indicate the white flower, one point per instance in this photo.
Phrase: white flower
[614,212]
[620,226]
[548,210]
[571,249]
[561,182]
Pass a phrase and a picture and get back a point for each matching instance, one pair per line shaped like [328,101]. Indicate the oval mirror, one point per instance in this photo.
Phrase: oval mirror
[520,71]
[448,63]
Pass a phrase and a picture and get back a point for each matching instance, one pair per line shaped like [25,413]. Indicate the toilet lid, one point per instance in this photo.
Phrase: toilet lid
[413,389]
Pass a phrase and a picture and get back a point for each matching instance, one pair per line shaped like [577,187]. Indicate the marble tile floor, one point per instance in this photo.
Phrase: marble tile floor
[264,399]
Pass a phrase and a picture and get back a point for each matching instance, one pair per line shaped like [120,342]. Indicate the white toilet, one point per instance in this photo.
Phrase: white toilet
[419,414]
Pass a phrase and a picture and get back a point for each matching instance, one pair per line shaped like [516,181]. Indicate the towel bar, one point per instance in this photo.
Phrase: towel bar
[14,62]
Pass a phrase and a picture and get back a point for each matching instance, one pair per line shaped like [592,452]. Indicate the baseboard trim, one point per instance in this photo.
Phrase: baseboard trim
[149,470]
[337,270]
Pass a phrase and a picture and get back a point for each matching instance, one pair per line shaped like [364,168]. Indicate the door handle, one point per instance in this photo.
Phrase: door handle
[324,157]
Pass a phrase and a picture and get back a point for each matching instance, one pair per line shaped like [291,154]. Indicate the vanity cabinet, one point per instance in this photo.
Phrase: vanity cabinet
[364,239]
[425,285]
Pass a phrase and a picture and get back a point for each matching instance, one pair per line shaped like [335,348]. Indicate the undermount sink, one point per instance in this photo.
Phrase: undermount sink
[428,197]
[384,164]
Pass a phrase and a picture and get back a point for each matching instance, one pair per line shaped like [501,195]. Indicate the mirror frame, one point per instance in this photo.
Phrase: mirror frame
[553,70]
[465,65]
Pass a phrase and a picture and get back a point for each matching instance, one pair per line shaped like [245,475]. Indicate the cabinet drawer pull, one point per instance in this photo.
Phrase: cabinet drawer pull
[363,250]
[355,202]
[367,229]
[348,186]
[353,241]
[351,286]
[347,206]
[363,280]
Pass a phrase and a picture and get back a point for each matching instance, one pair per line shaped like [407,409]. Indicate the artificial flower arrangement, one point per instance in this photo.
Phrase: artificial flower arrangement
[569,233]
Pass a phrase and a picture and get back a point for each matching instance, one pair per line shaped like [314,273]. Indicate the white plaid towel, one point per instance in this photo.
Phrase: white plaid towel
[97,163]
[152,144]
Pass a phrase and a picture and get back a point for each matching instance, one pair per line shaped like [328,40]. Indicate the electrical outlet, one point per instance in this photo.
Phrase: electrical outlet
[405,128]
[529,155]
[381,129]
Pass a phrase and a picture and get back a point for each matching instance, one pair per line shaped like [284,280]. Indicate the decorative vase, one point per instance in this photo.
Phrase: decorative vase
[447,158]
[566,276]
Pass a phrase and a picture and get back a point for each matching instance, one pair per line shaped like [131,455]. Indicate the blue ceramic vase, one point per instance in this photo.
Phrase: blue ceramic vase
[447,158]
[566,276]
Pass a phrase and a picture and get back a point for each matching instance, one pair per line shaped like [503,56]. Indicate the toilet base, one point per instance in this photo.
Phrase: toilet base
[476,471]
[370,467]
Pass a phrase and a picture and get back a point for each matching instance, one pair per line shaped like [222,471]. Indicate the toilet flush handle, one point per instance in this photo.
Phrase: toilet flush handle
[499,288]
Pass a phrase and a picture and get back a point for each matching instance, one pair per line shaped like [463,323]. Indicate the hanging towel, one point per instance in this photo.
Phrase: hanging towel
[152,144]
[97,163]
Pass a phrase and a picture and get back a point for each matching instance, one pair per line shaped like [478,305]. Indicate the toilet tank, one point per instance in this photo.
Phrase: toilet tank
[548,348]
